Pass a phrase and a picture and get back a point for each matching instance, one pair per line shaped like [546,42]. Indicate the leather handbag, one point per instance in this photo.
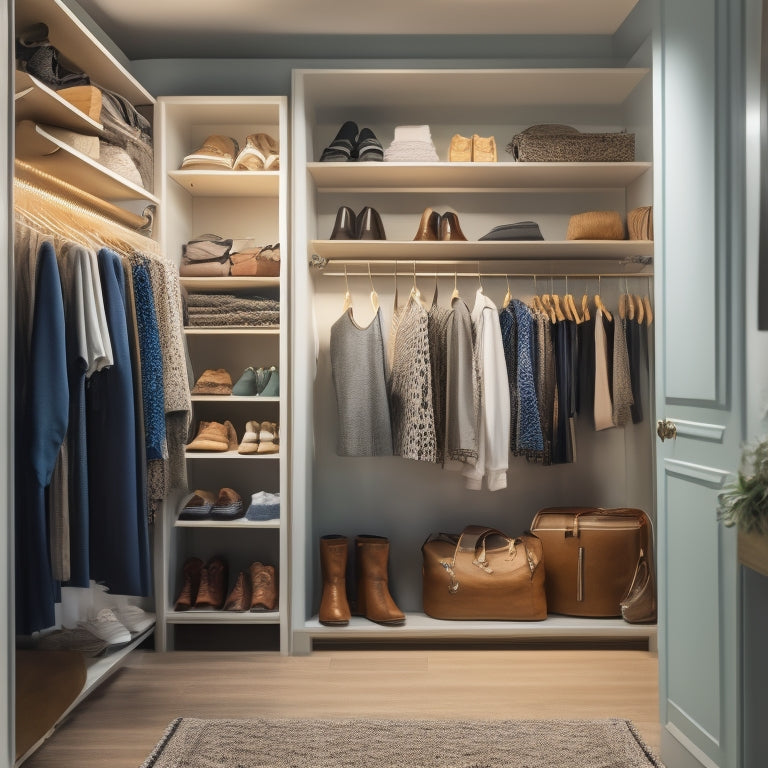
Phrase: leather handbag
[483,574]
[592,556]
[521,230]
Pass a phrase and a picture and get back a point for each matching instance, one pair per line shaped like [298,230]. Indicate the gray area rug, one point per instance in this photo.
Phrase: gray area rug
[358,743]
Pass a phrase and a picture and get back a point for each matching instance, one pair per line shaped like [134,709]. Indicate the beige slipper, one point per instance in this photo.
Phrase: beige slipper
[250,441]
[212,436]
[217,154]
[259,153]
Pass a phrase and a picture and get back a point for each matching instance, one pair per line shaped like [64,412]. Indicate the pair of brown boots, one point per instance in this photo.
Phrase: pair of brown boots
[205,587]
[373,598]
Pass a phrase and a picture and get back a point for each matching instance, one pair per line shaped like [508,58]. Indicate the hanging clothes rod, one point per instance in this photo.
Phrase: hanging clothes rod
[405,272]
[140,223]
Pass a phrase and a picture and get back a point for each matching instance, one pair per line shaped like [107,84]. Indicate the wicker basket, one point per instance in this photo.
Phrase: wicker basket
[595,225]
[640,223]
[563,144]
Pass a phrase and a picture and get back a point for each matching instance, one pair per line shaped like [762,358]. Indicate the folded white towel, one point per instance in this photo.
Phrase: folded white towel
[413,133]
[411,152]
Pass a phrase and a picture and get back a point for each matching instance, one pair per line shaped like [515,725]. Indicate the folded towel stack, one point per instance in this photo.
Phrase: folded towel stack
[225,310]
[412,144]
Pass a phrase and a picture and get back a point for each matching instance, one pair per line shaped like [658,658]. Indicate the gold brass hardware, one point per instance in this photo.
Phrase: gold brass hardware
[666,430]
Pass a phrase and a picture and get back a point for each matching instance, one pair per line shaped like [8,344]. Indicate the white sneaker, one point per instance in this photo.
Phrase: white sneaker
[134,619]
[106,626]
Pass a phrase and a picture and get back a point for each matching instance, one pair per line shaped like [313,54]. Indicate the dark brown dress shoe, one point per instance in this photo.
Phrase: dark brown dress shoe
[369,225]
[213,584]
[188,595]
[429,226]
[240,597]
[344,226]
[263,587]
[449,227]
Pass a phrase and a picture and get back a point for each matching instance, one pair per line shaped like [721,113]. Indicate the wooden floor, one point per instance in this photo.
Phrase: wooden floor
[117,726]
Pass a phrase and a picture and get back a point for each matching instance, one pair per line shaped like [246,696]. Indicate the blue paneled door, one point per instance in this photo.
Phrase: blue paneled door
[699,139]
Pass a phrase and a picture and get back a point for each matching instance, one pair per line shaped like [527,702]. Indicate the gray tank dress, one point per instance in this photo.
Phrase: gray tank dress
[359,378]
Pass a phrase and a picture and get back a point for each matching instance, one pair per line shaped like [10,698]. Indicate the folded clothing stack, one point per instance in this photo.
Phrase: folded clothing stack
[264,506]
[205,256]
[217,309]
[258,261]
[412,144]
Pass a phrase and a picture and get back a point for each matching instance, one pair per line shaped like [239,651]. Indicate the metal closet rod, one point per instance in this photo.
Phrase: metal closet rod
[538,275]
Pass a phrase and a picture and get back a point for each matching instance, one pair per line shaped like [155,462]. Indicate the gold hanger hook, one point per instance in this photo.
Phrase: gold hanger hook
[370,276]
[346,278]
[455,281]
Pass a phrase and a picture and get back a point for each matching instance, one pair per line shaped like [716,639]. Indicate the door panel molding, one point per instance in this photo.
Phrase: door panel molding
[684,724]
[681,752]
[698,430]
[696,473]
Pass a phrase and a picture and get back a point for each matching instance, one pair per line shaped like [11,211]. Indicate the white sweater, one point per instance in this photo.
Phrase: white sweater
[493,428]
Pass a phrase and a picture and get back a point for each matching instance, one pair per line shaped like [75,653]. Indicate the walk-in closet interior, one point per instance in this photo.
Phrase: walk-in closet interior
[188,258]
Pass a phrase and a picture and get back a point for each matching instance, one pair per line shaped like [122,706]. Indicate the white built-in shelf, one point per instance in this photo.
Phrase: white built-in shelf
[419,625]
[231,455]
[476,93]
[472,177]
[226,524]
[35,101]
[231,329]
[194,284]
[253,399]
[222,617]
[71,35]
[228,183]
[631,255]
[38,147]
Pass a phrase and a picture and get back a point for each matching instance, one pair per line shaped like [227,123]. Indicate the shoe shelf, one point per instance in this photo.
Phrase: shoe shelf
[472,177]
[38,147]
[222,617]
[71,35]
[232,330]
[228,183]
[194,284]
[35,101]
[197,455]
[419,626]
[240,523]
[253,399]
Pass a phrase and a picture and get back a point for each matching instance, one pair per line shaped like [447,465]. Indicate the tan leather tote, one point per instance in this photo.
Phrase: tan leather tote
[483,574]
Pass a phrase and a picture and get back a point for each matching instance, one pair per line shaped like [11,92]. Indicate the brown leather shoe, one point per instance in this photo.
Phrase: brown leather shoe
[373,598]
[213,584]
[429,226]
[334,607]
[263,586]
[213,436]
[240,597]
[188,594]
[449,227]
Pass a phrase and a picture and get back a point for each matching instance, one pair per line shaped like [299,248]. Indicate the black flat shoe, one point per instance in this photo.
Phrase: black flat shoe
[344,227]
[369,225]
[368,147]
[341,149]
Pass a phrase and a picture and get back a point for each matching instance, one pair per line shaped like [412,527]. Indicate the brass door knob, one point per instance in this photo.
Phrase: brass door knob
[666,430]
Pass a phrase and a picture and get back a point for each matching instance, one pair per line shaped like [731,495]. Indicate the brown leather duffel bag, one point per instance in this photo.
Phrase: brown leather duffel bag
[591,556]
[483,574]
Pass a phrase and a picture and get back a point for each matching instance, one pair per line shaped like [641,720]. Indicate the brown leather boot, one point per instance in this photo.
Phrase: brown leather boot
[263,587]
[334,608]
[240,597]
[373,598]
[213,584]
[188,594]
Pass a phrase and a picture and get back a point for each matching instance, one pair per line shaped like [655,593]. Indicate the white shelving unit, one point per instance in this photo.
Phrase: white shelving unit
[406,500]
[236,204]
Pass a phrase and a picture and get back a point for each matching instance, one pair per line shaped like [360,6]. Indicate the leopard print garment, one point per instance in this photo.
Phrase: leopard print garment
[410,386]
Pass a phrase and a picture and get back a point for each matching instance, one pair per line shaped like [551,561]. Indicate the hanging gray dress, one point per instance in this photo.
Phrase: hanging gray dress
[357,367]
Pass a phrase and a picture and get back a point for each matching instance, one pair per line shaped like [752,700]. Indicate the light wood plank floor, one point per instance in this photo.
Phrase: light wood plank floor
[118,725]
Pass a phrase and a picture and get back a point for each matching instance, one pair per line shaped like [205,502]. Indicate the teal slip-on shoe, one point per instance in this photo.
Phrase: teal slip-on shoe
[272,386]
[246,384]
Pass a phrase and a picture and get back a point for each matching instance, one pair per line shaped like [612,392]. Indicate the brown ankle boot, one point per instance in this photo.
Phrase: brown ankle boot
[373,598]
[213,584]
[240,597]
[263,587]
[188,594]
[334,608]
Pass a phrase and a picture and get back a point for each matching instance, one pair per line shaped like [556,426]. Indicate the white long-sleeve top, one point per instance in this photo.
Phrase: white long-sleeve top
[493,428]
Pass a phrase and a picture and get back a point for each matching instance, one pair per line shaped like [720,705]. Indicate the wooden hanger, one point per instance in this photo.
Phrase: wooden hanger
[623,306]
[559,316]
[455,294]
[507,296]
[599,302]
[639,309]
[374,295]
[347,295]
[536,301]
[571,305]
[647,305]
[585,305]
[415,292]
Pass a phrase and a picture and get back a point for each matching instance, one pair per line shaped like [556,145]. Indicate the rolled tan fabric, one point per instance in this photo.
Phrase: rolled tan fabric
[595,225]
[204,268]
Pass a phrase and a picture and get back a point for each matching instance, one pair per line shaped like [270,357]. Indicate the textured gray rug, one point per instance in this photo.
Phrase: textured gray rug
[358,743]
